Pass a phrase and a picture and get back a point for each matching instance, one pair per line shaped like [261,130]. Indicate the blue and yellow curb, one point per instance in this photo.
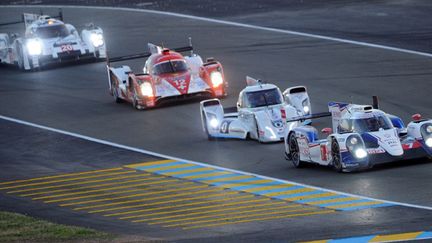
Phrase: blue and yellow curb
[420,235]
[258,185]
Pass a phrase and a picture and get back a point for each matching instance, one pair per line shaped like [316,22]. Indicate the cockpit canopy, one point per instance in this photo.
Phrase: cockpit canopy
[262,98]
[368,122]
[171,66]
[51,31]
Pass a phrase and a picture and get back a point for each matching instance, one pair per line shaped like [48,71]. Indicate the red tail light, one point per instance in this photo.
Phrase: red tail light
[283,114]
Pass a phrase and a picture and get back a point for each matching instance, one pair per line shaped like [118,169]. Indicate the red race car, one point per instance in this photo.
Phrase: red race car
[166,75]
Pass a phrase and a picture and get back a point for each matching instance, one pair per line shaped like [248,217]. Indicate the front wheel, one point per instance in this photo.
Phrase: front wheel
[294,151]
[115,95]
[209,137]
[336,158]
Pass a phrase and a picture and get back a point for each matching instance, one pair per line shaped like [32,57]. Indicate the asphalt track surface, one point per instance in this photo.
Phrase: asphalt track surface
[75,98]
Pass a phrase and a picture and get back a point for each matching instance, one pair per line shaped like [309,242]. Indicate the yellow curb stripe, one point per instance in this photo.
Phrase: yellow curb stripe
[158,162]
[163,202]
[395,237]
[228,179]
[344,199]
[244,183]
[310,196]
[259,219]
[267,187]
[229,217]
[182,205]
[188,171]
[58,176]
[207,175]
[147,199]
[237,209]
[354,205]
[97,185]
[165,186]
[270,194]
[168,167]
[134,195]
[195,208]
[77,183]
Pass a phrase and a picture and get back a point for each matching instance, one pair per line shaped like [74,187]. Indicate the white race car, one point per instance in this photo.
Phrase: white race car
[49,40]
[362,136]
[260,114]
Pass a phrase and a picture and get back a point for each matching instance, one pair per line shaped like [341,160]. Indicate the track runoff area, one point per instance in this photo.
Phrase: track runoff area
[187,195]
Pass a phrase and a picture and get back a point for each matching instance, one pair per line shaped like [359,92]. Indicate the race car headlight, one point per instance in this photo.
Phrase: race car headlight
[96,39]
[146,89]
[360,153]
[214,123]
[216,79]
[34,47]
[356,146]
[306,106]
[426,132]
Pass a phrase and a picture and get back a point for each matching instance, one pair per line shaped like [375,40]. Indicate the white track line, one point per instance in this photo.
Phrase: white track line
[256,27]
[143,151]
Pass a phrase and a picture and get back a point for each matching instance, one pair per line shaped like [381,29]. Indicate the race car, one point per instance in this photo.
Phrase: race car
[362,136]
[167,75]
[260,114]
[50,40]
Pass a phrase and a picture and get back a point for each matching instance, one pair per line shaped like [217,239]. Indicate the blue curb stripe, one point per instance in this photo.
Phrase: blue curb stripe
[177,169]
[288,188]
[273,183]
[362,239]
[366,206]
[196,173]
[218,183]
[216,177]
[319,199]
[302,194]
[146,167]
[425,235]
[342,203]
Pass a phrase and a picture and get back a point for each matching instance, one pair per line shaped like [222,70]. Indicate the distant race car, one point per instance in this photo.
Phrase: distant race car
[167,75]
[50,40]
[362,136]
[260,114]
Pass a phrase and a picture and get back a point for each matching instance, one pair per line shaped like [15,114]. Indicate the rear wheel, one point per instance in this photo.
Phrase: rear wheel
[336,158]
[20,57]
[294,151]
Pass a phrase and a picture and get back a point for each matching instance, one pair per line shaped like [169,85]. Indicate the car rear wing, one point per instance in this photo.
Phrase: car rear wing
[152,49]
[28,18]
[311,116]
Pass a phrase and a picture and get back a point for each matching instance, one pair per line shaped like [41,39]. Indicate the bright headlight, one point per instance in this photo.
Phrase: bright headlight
[429,142]
[360,153]
[216,79]
[306,109]
[34,47]
[146,89]
[353,140]
[214,122]
[96,39]
[429,129]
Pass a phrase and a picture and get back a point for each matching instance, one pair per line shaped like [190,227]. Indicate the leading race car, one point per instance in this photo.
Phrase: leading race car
[362,136]
[167,75]
[260,114]
[50,40]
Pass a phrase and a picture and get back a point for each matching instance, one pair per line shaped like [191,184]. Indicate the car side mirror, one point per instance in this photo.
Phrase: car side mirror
[416,117]
[327,131]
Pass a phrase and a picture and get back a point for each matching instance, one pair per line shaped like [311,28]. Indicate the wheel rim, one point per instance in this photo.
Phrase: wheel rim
[336,156]
[294,150]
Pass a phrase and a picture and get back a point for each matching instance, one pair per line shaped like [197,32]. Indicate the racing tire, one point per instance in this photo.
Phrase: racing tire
[336,158]
[116,98]
[257,131]
[294,154]
[136,105]
[20,57]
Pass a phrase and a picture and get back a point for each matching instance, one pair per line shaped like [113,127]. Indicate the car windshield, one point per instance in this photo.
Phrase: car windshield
[170,67]
[264,98]
[52,31]
[371,124]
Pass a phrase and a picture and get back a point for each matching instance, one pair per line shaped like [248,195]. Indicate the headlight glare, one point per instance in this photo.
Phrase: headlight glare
[34,47]
[216,79]
[146,89]
[360,153]
[429,142]
[214,122]
[306,109]
[96,39]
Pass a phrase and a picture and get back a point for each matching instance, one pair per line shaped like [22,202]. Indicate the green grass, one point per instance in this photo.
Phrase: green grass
[19,228]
